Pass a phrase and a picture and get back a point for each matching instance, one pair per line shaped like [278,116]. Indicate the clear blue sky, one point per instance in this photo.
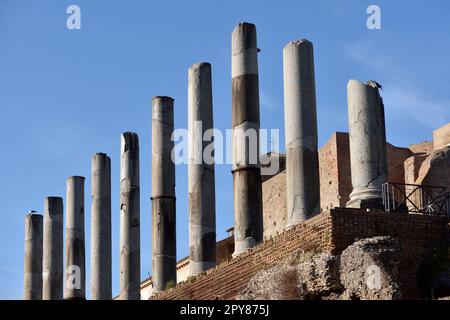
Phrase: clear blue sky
[65,95]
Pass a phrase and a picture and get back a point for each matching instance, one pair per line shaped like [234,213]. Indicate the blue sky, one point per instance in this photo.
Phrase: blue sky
[66,94]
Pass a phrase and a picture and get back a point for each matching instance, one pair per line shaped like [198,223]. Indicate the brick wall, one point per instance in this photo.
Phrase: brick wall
[335,181]
[274,205]
[418,236]
[230,277]
[329,232]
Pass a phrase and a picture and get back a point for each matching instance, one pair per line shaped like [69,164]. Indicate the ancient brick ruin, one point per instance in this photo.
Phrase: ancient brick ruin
[332,232]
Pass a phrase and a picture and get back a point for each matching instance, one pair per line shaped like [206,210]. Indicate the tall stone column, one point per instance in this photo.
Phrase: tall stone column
[75,272]
[32,289]
[247,189]
[163,196]
[367,144]
[130,237]
[202,196]
[101,228]
[302,161]
[52,272]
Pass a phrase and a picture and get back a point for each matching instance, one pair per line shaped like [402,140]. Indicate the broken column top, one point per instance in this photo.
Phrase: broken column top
[33,214]
[299,43]
[162,110]
[100,154]
[353,82]
[76,178]
[370,83]
[200,65]
[245,26]
[130,141]
[244,37]
[101,158]
[33,220]
[163,98]
[52,202]
[52,198]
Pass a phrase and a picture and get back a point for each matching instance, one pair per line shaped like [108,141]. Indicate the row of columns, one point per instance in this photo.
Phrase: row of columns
[367,137]
[43,237]
[44,275]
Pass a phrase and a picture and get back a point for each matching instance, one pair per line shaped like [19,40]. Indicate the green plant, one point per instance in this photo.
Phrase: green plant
[169,285]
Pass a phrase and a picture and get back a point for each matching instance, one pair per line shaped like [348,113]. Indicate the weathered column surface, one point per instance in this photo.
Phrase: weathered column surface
[367,144]
[302,161]
[201,185]
[75,272]
[163,196]
[32,289]
[101,228]
[247,189]
[52,272]
[130,237]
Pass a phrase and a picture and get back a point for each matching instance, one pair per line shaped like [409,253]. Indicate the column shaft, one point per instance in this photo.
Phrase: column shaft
[247,189]
[53,249]
[163,196]
[75,272]
[367,144]
[130,260]
[33,257]
[201,185]
[302,161]
[101,228]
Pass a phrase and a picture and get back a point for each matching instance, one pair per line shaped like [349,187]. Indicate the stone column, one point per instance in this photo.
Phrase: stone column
[130,238]
[367,144]
[201,186]
[302,161]
[53,249]
[101,228]
[247,189]
[163,196]
[32,289]
[75,272]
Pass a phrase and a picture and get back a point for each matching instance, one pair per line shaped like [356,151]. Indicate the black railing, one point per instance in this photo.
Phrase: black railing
[400,197]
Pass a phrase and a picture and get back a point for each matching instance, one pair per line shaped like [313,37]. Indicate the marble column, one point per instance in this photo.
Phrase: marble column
[302,161]
[367,144]
[201,185]
[101,286]
[75,271]
[130,254]
[33,257]
[163,196]
[53,262]
[247,188]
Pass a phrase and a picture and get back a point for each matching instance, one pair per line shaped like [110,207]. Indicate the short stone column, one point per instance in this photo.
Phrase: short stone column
[302,160]
[164,247]
[101,228]
[53,262]
[130,237]
[367,144]
[247,188]
[201,185]
[75,271]
[32,289]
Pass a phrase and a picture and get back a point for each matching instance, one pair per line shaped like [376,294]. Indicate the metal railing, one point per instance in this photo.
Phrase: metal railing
[427,200]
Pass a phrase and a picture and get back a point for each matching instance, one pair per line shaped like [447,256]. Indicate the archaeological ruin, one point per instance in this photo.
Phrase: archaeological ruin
[355,203]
